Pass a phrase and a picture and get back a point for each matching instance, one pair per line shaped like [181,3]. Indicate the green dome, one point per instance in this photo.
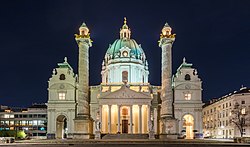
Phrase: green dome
[135,50]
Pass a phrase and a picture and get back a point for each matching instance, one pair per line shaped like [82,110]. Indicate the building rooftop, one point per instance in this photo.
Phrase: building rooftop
[214,100]
[21,109]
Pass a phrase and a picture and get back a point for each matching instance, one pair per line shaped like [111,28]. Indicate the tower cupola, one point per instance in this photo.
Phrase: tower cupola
[83,30]
[166,30]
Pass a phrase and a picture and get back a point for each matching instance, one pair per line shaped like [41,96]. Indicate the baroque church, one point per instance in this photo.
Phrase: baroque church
[125,103]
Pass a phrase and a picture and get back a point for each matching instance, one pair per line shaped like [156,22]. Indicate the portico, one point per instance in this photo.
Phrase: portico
[125,111]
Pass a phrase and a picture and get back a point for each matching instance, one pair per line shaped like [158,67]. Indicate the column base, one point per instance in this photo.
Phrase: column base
[151,135]
[169,128]
[83,129]
[97,135]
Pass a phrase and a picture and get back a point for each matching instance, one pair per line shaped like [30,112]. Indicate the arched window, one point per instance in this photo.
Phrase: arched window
[187,77]
[124,76]
[124,111]
[62,77]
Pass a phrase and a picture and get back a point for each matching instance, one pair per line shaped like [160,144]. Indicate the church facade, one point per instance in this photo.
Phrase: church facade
[125,102]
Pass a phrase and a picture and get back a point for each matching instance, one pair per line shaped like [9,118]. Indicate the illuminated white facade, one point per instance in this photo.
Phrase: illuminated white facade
[187,100]
[125,102]
[217,115]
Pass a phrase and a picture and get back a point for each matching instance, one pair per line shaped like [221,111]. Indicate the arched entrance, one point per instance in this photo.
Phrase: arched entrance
[188,123]
[124,119]
[61,127]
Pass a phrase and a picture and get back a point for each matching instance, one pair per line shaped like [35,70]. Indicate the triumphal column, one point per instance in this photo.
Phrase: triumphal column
[83,122]
[168,122]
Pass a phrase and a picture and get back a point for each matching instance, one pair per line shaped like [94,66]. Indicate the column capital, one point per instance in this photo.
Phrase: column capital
[165,41]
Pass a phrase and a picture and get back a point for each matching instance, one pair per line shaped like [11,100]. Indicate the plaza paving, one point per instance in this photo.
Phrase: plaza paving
[123,143]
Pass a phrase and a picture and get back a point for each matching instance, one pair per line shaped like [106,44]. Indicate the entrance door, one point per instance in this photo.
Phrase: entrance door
[124,126]
[61,127]
[189,125]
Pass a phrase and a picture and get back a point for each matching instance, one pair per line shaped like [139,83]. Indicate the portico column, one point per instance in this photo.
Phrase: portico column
[140,120]
[149,117]
[119,118]
[131,119]
[109,121]
[155,119]
[100,117]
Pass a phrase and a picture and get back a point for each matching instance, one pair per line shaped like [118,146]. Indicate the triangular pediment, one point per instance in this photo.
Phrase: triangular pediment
[126,92]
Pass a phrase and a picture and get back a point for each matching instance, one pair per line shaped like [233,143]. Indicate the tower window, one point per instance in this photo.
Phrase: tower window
[61,96]
[125,76]
[62,77]
[187,77]
[187,96]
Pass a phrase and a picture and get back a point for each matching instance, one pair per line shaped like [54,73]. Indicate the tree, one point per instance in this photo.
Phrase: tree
[239,117]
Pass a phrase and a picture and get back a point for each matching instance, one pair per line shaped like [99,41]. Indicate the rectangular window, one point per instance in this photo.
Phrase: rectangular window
[11,123]
[243,111]
[187,96]
[242,102]
[244,131]
[62,96]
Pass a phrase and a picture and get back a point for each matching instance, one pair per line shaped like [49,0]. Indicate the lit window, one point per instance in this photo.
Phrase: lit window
[124,76]
[125,54]
[62,96]
[187,96]
[243,111]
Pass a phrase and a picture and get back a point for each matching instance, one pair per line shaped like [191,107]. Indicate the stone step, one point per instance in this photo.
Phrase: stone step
[125,136]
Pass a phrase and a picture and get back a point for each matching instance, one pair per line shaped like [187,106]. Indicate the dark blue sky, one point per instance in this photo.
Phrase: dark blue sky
[36,35]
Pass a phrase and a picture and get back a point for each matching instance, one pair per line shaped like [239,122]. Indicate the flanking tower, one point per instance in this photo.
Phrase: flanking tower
[168,121]
[83,122]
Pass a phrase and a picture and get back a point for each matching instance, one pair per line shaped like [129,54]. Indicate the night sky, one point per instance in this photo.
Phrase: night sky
[36,35]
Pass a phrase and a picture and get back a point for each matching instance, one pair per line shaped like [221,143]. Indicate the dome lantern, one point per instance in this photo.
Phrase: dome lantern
[125,31]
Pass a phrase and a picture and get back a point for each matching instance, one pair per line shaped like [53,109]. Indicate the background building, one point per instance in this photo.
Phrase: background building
[217,115]
[32,120]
